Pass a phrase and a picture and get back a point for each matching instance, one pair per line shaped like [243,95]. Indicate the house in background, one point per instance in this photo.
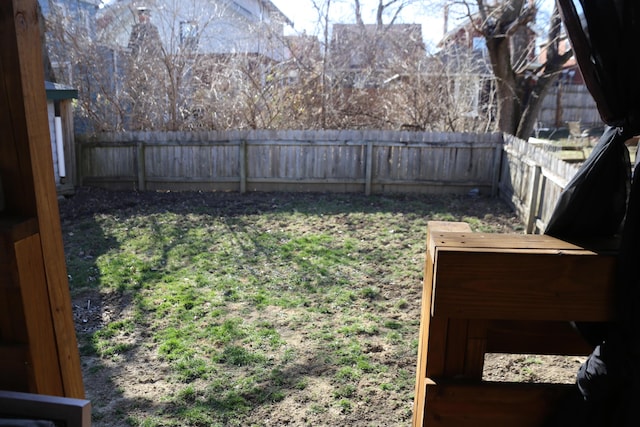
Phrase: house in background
[152,64]
[80,17]
[369,55]
[203,26]
[302,56]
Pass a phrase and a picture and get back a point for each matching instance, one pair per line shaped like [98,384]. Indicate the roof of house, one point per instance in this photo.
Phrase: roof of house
[58,91]
[274,9]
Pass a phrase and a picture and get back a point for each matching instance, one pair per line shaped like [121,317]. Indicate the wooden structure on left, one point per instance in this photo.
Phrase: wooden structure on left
[38,347]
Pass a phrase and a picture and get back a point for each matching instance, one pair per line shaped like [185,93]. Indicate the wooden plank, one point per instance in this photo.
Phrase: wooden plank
[14,228]
[38,318]
[533,200]
[508,241]
[368,168]
[495,168]
[436,347]
[423,343]
[140,168]
[456,348]
[438,232]
[433,335]
[25,103]
[71,412]
[242,166]
[451,404]
[476,349]
[482,284]
[15,159]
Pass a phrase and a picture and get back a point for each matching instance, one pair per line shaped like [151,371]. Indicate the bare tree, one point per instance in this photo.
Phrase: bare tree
[179,68]
[507,26]
[164,65]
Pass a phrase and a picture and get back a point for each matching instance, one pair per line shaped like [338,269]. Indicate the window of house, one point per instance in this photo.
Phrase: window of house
[189,34]
[242,10]
[479,44]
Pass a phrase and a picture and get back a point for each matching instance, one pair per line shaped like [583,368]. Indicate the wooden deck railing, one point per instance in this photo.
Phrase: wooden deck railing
[501,293]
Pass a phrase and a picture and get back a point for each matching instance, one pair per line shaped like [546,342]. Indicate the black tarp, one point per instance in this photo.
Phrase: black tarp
[603,200]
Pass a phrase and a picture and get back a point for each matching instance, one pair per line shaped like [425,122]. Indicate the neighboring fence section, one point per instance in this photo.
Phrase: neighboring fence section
[532,180]
[569,103]
[345,161]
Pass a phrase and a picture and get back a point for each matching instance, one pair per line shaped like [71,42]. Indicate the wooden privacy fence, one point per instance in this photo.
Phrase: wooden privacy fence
[523,174]
[345,161]
[531,180]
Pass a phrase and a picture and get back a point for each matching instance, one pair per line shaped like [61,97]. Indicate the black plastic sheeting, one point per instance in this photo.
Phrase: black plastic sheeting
[603,200]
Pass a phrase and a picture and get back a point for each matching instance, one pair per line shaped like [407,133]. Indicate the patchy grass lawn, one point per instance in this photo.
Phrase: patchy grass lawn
[208,309]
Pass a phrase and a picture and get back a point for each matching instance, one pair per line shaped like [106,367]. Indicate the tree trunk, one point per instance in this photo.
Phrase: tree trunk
[507,88]
[520,88]
[533,106]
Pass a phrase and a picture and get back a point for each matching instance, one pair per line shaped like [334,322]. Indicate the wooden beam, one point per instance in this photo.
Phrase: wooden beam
[460,404]
[71,412]
[29,168]
[524,284]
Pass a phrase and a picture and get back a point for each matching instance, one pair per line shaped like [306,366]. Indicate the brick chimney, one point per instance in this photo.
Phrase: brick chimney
[144,15]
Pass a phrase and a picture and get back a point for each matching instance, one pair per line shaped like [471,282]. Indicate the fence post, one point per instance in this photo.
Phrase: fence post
[497,169]
[368,169]
[242,158]
[534,198]
[140,166]
[79,163]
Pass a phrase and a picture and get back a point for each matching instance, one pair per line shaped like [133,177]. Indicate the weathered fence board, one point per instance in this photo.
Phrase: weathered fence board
[532,180]
[370,161]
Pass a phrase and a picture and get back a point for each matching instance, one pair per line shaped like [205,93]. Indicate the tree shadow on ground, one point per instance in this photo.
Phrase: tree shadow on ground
[100,309]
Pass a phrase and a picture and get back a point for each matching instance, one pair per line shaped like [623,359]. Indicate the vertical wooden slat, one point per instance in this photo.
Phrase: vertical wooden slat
[242,165]
[497,161]
[423,342]
[534,201]
[41,337]
[476,349]
[140,165]
[369,168]
[433,330]
[456,346]
[66,112]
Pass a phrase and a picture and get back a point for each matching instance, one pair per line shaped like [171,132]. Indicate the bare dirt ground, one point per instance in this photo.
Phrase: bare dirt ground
[141,379]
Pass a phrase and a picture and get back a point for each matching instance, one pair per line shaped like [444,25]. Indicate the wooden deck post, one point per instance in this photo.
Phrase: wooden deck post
[34,276]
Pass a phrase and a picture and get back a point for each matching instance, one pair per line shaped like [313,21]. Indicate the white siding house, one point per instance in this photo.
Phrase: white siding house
[207,26]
